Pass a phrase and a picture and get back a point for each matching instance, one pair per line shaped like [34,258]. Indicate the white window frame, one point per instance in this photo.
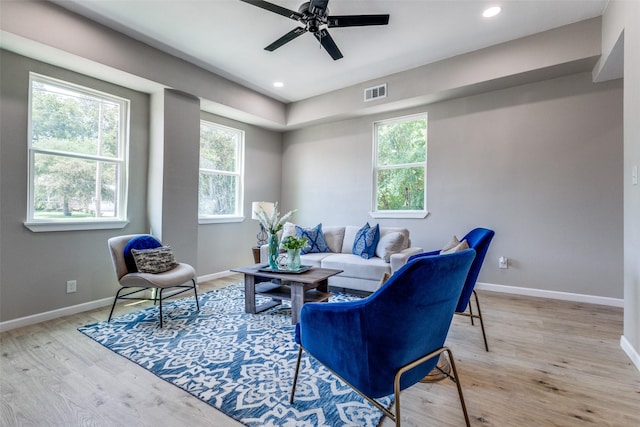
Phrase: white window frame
[375,213]
[238,216]
[120,220]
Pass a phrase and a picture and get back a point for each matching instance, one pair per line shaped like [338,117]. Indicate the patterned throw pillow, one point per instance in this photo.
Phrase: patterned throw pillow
[145,241]
[366,241]
[315,239]
[157,260]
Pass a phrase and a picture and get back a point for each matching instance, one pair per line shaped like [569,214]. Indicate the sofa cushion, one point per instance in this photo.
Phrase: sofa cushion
[390,243]
[386,230]
[355,266]
[315,238]
[314,259]
[366,241]
[350,232]
[333,235]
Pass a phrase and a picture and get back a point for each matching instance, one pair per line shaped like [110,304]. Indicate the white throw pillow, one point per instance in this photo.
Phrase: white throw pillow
[288,230]
[454,246]
[389,244]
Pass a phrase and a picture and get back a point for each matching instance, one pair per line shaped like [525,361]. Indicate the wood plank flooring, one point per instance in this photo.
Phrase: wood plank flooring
[551,363]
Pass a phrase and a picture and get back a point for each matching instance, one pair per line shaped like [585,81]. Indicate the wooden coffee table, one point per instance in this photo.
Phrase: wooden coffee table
[309,286]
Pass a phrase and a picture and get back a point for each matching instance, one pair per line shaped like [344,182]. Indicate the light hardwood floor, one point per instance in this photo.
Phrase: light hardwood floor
[551,363]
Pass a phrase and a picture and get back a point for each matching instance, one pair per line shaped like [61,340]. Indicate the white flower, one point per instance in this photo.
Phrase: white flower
[270,221]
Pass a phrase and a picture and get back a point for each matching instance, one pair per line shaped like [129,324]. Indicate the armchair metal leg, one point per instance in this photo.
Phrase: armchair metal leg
[115,299]
[396,386]
[484,335]
[456,380]
[156,297]
[295,376]
[195,292]
[476,316]
[160,306]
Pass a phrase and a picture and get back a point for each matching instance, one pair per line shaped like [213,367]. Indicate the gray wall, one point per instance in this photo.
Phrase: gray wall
[622,22]
[44,31]
[35,267]
[539,163]
[226,245]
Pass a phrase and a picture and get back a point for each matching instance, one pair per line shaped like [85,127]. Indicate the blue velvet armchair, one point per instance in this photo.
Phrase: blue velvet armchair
[390,340]
[478,239]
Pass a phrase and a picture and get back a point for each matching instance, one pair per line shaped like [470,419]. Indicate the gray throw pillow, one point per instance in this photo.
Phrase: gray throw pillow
[390,243]
[157,260]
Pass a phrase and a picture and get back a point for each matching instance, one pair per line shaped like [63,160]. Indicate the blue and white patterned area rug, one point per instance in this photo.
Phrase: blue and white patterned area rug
[242,364]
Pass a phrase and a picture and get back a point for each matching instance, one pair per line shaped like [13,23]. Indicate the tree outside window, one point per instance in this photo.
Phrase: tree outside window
[400,166]
[221,172]
[77,153]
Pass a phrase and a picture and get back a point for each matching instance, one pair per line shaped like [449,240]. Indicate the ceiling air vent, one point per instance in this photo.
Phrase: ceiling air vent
[375,92]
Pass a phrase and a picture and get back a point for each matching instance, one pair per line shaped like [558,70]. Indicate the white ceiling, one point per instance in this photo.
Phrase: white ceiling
[228,36]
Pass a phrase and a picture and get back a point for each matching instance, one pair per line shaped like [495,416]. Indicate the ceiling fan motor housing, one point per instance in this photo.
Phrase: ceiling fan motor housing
[312,19]
[314,15]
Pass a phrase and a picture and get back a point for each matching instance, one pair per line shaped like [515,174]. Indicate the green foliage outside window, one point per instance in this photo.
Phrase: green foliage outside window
[400,169]
[220,166]
[76,151]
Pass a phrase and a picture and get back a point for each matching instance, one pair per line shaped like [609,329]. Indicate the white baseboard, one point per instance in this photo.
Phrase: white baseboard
[54,314]
[74,309]
[541,293]
[630,351]
[214,276]
[66,311]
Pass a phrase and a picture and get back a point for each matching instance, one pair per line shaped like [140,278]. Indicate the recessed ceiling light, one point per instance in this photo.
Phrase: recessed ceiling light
[278,84]
[491,12]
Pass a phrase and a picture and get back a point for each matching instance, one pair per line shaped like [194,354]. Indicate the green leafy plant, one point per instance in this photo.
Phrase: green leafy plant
[293,242]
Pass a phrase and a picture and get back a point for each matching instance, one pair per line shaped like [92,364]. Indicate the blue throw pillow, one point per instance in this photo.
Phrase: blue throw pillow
[366,241]
[141,242]
[315,239]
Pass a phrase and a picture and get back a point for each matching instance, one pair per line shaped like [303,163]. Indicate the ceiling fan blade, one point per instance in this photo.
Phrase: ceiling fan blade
[329,45]
[319,7]
[356,20]
[275,9]
[296,32]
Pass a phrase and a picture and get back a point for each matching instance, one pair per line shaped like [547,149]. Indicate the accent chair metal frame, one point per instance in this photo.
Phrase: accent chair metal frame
[453,376]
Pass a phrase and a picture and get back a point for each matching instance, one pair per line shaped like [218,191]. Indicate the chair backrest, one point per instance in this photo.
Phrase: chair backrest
[116,247]
[478,239]
[409,317]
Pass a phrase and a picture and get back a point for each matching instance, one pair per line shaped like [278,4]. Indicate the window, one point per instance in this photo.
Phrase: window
[220,191]
[77,157]
[400,167]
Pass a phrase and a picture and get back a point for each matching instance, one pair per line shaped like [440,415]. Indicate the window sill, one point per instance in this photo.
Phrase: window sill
[45,226]
[220,219]
[400,214]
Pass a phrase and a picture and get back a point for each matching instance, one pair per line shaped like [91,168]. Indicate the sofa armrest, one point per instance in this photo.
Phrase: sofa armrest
[399,259]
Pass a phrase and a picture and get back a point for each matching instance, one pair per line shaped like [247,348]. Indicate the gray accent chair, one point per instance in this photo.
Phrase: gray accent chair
[182,276]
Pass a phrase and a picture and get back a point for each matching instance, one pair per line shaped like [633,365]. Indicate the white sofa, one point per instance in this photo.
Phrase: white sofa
[392,252]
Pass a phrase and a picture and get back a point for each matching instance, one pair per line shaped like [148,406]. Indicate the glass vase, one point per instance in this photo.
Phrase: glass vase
[293,259]
[273,251]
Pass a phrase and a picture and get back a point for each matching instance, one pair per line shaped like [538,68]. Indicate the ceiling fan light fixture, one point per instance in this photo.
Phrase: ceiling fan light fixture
[492,11]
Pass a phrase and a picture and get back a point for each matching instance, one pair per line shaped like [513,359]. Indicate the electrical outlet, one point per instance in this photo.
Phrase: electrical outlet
[71,286]
[503,262]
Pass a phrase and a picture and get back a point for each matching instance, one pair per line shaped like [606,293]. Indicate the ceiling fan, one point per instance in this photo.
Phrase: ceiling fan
[315,18]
